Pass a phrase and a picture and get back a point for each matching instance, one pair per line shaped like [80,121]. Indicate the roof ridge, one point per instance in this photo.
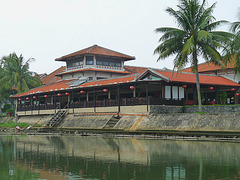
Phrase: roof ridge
[92,48]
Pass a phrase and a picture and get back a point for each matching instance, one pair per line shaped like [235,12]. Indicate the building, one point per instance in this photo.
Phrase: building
[95,79]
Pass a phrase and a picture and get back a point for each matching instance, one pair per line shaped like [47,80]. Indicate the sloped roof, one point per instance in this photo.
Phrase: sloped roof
[176,77]
[66,84]
[135,69]
[93,69]
[126,79]
[96,50]
[52,76]
[203,78]
[56,86]
[206,67]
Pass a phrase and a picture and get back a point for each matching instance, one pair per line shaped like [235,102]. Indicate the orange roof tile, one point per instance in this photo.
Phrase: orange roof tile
[52,76]
[177,77]
[204,79]
[105,82]
[135,69]
[97,50]
[56,86]
[94,69]
[204,67]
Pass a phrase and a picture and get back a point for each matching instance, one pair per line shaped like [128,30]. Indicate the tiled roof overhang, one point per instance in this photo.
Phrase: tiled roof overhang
[96,50]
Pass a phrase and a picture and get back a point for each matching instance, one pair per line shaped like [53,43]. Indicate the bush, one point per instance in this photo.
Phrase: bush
[9,110]
[6,107]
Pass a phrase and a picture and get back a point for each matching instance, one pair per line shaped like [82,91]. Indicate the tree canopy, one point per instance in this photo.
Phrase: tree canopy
[194,37]
[15,76]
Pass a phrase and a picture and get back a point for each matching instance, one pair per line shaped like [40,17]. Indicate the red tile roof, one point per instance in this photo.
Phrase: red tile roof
[135,69]
[52,77]
[105,82]
[191,78]
[206,67]
[97,50]
[177,77]
[94,69]
[65,84]
[56,86]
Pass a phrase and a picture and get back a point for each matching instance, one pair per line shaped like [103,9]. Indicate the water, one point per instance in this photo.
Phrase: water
[74,157]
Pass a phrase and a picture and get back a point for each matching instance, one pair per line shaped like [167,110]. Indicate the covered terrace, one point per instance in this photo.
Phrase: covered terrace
[139,92]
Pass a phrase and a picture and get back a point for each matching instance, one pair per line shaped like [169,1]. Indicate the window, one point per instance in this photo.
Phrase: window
[89,60]
[113,64]
[99,78]
[118,64]
[105,63]
[75,62]
[90,78]
[99,62]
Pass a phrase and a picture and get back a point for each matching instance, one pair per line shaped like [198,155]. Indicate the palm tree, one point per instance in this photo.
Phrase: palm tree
[15,76]
[233,52]
[194,37]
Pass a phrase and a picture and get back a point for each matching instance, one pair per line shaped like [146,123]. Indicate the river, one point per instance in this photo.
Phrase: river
[105,158]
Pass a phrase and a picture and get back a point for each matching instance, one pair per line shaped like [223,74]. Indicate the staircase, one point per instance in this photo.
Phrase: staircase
[112,122]
[57,118]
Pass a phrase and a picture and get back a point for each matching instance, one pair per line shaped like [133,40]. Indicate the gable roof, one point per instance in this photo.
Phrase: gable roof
[135,69]
[209,66]
[52,76]
[96,50]
[203,78]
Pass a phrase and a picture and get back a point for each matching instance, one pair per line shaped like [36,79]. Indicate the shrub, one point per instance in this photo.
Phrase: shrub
[6,107]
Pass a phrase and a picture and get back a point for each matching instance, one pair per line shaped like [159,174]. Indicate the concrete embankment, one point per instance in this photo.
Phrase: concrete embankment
[188,123]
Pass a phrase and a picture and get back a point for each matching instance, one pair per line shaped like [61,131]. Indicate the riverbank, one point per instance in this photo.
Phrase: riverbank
[169,124]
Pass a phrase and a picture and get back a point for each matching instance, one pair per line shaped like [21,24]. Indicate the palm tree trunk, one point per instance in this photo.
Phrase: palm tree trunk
[197,80]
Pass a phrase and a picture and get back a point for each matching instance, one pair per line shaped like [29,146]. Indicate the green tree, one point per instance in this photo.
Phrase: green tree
[15,75]
[233,52]
[194,37]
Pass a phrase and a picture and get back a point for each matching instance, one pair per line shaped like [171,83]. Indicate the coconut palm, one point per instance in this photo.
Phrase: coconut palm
[234,53]
[194,37]
[15,75]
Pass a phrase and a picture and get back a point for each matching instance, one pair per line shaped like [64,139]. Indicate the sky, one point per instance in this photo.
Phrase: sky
[48,29]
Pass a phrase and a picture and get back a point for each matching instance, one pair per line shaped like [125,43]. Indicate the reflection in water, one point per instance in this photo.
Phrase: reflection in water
[56,157]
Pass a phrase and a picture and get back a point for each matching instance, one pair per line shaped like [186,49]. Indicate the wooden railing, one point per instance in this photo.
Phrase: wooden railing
[106,103]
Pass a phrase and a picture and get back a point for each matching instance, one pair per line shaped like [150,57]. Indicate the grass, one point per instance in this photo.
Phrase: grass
[11,124]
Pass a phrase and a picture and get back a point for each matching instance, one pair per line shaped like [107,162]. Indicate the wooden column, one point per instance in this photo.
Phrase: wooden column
[217,95]
[147,95]
[163,91]
[72,102]
[134,91]
[94,101]
[118,92]
[87,96]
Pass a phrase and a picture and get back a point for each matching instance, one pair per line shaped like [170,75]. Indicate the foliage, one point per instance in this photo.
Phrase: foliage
[223,97]
[233,51]
[15,75]
[194,37]
[9,110]
[5,107]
